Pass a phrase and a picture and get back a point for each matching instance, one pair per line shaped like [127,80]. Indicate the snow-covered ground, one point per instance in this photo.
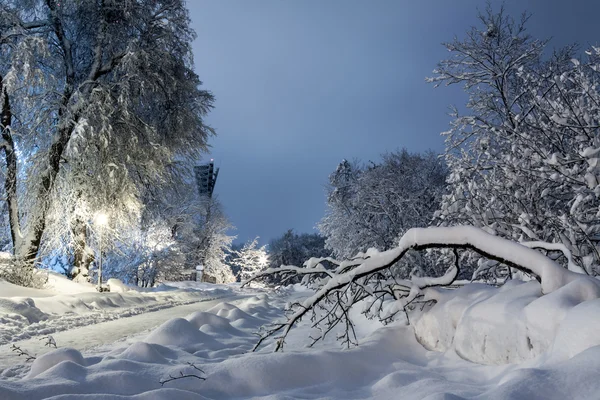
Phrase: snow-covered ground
[216,337]
[63,305]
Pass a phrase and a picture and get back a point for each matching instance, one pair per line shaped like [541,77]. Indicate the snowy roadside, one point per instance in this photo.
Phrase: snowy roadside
[96,338]
[64,305]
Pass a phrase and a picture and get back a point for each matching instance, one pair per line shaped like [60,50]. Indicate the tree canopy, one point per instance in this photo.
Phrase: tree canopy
[105,108]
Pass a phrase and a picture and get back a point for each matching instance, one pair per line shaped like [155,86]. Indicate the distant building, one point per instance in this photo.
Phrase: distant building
[206,178]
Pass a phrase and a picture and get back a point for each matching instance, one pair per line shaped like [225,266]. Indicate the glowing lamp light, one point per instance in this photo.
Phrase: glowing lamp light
[101,219]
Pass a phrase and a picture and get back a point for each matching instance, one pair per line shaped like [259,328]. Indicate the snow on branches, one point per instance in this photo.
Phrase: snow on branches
[107,110]
[373,206]
[368,277]
[250,259]
[524,158]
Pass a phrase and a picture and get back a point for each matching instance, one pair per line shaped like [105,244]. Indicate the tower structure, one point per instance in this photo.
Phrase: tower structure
[206,178]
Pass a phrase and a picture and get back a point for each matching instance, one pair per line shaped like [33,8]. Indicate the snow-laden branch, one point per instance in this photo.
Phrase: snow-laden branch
[289,269]
[551,275]
[557,247]
[312,266]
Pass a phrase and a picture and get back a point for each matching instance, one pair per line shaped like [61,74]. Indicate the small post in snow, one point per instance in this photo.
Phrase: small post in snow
[101,221]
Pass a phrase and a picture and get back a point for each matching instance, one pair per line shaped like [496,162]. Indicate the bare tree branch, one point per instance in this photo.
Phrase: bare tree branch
[183,376]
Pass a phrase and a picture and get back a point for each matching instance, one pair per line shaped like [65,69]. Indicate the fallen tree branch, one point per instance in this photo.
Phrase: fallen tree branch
[50,342]
[557,247]
[550,274]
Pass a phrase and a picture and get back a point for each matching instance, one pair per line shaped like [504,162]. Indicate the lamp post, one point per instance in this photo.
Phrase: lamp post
[101,221]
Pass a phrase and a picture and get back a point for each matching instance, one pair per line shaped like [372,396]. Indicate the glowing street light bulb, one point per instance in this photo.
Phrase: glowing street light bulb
[101,219]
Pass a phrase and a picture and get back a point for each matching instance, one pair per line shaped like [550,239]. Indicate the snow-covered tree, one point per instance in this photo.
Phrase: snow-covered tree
[142,256]
[250,259]
[171,238]
[100,99]
[373,206]
[177,229]
[292,248]
[523,159]
[214,244]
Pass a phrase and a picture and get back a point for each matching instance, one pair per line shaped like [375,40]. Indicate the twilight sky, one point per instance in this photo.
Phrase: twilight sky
[302,84]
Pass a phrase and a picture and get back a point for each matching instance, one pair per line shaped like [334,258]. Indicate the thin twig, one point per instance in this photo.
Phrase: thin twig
[182,375]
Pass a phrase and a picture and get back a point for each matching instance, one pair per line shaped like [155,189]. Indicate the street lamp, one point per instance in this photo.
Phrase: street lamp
[101,221]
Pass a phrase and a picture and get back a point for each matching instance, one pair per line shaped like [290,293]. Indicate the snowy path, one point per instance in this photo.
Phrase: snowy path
[92,337]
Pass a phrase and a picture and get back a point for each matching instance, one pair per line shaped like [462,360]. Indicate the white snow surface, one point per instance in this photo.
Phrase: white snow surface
[560,360]
[512,323]
[63,305]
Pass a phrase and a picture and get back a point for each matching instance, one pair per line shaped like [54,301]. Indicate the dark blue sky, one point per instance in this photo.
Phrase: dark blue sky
[303,84]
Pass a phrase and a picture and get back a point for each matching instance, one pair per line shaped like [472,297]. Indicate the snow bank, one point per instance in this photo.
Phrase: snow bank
[21,307]
[147,353]
[64,304]
[236,316]
[8,289]
[59,284]
[580,330]
[50,360]
[182,333]
[512,323]
[211,323]
[435,329]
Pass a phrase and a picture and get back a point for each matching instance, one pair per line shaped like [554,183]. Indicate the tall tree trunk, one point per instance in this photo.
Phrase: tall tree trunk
[10,180]
[30,246]
[83,257]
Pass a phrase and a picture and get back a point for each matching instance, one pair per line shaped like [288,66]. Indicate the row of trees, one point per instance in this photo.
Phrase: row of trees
[169,248]
[170,244]
[520,163]
[290,248]
[101,112]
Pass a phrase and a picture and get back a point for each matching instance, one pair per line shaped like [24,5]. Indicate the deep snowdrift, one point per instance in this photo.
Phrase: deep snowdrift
[512,323]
